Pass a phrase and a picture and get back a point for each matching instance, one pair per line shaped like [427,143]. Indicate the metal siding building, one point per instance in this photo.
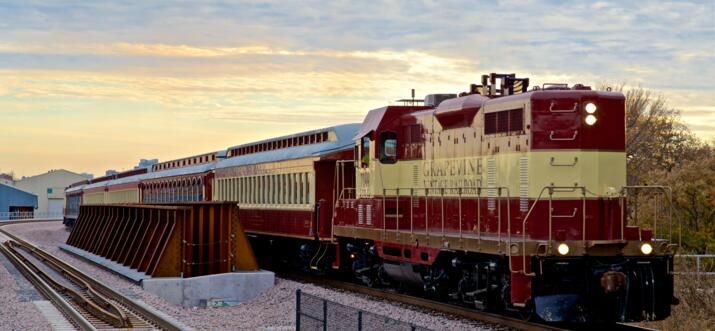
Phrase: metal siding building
[13,199]
[50,190]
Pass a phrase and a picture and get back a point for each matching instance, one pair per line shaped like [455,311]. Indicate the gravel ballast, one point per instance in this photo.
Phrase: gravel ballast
[272,310]
[17,312]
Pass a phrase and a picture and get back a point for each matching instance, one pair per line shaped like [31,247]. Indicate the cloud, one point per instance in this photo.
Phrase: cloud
[236,72]
[225,68]
[704,111]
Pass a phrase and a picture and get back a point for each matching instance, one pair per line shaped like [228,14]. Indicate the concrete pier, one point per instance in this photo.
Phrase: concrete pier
[229,288]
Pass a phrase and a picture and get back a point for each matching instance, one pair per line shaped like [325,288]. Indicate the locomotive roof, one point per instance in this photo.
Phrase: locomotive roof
[344,134]
[375,117]
[372,120]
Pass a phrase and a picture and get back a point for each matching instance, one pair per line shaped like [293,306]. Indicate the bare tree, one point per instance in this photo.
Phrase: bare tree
[662,150]
[10,173]
[656,138]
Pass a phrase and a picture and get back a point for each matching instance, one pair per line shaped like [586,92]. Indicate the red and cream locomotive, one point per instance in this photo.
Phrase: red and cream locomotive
[501,198]
[506,198]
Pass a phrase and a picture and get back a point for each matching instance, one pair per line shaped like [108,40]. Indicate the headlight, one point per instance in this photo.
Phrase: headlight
[563,249]
[590,120]
[590,107]
[646,248]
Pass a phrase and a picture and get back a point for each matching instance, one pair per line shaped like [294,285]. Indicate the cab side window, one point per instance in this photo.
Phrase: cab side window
[356,156]
[365,155]
[388,147]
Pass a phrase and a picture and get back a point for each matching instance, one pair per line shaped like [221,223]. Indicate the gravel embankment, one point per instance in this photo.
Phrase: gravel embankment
[273,310]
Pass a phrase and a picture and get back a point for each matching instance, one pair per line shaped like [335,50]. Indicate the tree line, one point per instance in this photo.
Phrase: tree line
[661,150]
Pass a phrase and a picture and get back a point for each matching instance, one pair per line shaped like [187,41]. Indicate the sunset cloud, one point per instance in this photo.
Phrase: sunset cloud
[162,79]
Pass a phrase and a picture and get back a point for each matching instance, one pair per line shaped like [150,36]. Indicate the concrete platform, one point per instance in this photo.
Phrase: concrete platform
[110,265]
[233,287]
[219,289]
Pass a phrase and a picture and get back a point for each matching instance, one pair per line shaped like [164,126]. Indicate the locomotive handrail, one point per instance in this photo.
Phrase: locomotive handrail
[554,164]
[565,215]
[501,193]
[335,209]
[523,234]
[339,183]
[668,192]
[551,108]
[551,189]
[459,194]
[551,136]
[508,219]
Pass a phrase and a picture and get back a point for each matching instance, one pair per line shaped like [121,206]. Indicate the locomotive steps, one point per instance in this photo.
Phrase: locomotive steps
[189,254]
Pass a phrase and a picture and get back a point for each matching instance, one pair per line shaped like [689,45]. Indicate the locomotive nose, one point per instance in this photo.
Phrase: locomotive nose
[613,281]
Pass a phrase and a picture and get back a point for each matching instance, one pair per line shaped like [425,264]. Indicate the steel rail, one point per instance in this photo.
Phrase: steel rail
[99,306]
[626,327]
[48,292]
[138,308]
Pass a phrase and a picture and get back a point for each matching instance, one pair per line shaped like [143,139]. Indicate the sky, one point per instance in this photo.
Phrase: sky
[94,85]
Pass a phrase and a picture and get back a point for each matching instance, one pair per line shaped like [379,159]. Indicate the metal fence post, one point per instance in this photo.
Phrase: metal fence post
[697,262]
[325,315]
[297,310]
[342,316]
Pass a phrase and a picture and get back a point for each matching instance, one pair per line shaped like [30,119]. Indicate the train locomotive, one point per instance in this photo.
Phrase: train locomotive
[501,198]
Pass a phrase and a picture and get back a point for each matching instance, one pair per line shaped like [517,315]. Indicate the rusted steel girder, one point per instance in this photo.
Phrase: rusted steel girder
[187,239]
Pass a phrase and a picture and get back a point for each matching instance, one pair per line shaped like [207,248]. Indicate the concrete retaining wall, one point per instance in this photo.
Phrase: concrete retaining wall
[196,291]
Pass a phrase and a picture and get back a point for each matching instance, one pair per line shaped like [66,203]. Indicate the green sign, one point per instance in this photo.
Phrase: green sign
[49,190]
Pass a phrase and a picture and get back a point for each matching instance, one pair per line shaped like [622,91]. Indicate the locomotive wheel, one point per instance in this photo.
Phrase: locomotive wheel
[368,281]
[400,288]
[485,305]
[528,312]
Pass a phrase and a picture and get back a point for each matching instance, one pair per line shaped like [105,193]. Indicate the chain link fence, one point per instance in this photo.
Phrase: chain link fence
[695,264]
[317,314]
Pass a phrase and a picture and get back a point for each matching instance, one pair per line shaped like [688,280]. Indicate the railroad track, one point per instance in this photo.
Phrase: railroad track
[88,304]
[446,308]
[109,309]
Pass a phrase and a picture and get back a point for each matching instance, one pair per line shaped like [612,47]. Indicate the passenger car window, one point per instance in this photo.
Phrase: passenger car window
[388,147]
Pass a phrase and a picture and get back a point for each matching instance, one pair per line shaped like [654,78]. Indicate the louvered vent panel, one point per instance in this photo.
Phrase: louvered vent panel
[491,182]
[524,184]
[368,214]
[360,215]
[415,175]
